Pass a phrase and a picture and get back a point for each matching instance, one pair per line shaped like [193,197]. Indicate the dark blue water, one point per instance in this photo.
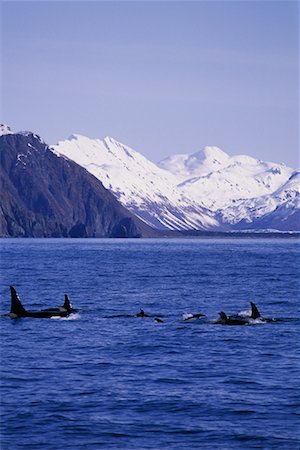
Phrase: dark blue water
[106,379]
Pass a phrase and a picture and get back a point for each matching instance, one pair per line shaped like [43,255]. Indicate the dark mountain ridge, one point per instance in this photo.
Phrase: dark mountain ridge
[43,195]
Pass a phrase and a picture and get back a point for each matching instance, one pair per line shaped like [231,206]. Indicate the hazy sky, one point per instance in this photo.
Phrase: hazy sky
[164,77]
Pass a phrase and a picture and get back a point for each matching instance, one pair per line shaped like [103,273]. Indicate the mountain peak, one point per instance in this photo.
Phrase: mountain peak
[109,139]
[5,129]
[76,137]
[213,152]
[209,159]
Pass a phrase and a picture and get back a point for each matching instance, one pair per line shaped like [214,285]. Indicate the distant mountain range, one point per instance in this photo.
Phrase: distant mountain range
[207,190]
[101,188]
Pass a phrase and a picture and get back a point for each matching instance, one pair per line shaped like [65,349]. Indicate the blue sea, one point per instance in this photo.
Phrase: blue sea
[105,379]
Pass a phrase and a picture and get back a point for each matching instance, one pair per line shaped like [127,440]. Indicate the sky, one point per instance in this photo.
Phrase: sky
[163,77]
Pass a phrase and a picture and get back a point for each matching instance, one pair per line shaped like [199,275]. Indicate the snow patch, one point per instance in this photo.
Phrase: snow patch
[5,129]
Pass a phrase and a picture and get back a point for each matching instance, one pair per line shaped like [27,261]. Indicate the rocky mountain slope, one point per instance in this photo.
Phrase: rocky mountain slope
[43,195]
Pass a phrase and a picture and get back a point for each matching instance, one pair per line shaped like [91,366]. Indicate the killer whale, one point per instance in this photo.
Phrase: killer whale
[67,306]
[255,314]
[193,316]
[142,314]
[238,319]
[17,309]
[231,320]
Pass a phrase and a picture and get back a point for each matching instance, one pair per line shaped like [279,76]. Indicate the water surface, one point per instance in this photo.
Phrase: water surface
[107,379]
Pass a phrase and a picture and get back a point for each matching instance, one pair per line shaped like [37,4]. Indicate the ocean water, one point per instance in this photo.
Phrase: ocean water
[104,378]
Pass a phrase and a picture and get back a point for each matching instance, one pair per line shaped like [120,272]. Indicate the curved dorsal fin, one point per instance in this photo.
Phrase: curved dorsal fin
[16,305]
[255,314]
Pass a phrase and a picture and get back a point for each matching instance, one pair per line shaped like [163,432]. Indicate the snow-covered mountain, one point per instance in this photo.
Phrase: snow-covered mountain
[207,190]
[148,191]
[186,166]
[215,178]
[279,210]
[243,191]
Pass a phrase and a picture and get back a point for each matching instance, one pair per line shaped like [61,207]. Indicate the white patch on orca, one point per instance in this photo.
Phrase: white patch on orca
[72,316]
[187,316]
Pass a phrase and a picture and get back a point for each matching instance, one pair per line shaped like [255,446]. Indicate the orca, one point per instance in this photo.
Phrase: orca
[67,306]
[238,319]
[231,320]
[158,320]
[17,309]
[193,316]
[142,314]
[255,314]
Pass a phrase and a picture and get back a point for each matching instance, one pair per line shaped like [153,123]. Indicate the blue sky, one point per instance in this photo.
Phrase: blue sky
[163,77]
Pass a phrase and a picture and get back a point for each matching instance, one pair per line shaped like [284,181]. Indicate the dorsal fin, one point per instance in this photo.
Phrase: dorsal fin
[255,314]
[16,305]
[67,304]
[223,316]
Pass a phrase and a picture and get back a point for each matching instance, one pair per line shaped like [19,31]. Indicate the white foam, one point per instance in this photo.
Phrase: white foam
[73,316]
[257,321]
[245,313]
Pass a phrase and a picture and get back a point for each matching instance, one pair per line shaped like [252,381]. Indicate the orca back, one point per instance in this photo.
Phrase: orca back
[16,306]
